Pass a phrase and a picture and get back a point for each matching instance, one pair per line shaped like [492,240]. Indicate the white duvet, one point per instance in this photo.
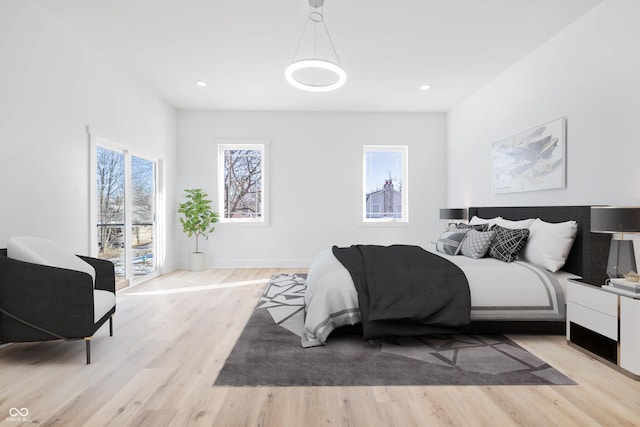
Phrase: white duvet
[499,291]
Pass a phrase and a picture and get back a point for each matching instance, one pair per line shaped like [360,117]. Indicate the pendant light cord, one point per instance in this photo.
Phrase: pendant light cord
[330,40]
[315,38]
[304,31]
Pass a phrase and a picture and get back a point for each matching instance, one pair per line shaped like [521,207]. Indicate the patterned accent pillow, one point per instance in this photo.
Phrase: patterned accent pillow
[449,241]
[479,227]
[507,243]
[476,244]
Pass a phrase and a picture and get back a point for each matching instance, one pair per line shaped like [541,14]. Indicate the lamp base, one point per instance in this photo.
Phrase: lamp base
[622,258]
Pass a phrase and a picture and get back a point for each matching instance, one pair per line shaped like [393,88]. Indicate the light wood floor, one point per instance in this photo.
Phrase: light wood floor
[171,338]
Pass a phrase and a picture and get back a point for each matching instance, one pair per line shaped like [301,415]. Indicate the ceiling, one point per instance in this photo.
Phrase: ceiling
[388,48]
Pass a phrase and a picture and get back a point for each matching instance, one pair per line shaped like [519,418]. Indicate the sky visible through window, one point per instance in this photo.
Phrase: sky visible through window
[380,165]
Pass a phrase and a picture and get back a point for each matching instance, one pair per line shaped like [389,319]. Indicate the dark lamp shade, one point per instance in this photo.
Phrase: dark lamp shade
[611,219]
[452,214]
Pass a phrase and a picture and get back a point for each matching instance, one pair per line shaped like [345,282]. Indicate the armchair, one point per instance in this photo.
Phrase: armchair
[45,302]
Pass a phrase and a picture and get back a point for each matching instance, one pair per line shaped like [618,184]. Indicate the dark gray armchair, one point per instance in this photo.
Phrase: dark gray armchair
[40,302]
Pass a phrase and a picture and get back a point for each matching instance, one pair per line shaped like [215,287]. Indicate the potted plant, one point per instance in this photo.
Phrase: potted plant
[198,219]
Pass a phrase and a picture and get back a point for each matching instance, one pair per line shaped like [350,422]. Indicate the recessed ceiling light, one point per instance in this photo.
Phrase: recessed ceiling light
[202,83]
[425,87]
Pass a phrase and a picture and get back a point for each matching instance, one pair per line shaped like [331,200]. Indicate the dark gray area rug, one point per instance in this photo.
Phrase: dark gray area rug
[268,353]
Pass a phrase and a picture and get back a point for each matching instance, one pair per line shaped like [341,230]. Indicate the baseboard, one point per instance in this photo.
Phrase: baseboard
[172,266]
[245,263]
[259,263]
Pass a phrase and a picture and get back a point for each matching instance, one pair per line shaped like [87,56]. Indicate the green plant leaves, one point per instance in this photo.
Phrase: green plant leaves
[198,217]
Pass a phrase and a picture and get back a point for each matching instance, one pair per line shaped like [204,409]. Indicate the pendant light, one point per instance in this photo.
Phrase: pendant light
[315,66]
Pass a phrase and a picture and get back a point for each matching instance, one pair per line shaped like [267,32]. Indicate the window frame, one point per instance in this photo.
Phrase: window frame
[263,147]
[362,211]
[103,139]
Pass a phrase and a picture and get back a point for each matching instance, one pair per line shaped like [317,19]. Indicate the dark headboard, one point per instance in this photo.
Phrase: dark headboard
[588,256]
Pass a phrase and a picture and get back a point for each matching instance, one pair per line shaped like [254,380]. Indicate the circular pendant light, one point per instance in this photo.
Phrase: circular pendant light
[319,70]
[315,66]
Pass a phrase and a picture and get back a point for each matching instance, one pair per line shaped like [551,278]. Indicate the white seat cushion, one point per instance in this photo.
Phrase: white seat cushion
[103,301]
[45,252]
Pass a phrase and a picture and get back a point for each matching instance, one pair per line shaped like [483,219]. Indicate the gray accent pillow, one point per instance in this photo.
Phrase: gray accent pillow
[449,241]
[507,243]
[476,244]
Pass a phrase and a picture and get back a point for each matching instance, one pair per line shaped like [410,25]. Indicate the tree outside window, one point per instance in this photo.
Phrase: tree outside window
[125,194]
[241,181]
[110,195]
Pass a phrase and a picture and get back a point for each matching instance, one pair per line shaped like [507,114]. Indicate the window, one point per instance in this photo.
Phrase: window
[125,193]
[384,179]
[242,182]
[110,202]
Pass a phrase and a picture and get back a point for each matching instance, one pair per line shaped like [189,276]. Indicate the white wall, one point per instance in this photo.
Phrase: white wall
[589,73]
[313,181]
[52,86]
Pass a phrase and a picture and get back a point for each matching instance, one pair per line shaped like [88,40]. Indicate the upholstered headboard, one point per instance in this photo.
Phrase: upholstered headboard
[588,256]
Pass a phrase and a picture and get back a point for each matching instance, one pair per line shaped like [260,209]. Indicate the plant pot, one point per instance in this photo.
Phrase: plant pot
[196,261]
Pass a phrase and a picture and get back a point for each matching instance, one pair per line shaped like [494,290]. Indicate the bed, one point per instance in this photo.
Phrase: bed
[511,297]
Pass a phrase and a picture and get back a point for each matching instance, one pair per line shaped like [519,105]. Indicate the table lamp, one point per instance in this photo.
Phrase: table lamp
[452,215]
[617,220]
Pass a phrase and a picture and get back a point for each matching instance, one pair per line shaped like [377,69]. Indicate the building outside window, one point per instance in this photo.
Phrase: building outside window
[385,194]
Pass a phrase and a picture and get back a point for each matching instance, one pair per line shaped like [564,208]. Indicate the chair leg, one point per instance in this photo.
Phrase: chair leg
[88,346]
[111,326]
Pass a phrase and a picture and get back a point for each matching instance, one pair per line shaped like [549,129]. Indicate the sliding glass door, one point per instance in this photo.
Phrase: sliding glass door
[125,213]
[143,227]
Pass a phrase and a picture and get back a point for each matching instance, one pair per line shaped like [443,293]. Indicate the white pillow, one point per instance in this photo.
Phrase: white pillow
[549,243]
[45,252]
[514,225]
[477,220]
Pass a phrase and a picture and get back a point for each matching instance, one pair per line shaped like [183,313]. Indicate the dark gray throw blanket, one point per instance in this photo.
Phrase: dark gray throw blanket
[404,290]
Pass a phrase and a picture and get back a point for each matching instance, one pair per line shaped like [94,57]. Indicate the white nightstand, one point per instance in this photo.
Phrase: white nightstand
[605,325]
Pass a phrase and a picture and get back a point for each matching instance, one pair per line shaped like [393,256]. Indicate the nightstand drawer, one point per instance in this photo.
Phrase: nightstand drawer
[605,325]
[593,298]
[596,321]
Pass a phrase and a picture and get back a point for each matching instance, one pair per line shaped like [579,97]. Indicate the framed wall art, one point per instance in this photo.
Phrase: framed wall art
[531,160]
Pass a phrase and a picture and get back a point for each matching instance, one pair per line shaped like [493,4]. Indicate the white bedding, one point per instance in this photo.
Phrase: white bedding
[516,291]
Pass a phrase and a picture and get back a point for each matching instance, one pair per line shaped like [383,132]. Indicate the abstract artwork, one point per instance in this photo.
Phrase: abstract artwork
[531,160]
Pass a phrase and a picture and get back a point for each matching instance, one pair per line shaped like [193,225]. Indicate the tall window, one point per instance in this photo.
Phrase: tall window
[110,207]
[242,182]
[385,184]
[143,212]
[124,201]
